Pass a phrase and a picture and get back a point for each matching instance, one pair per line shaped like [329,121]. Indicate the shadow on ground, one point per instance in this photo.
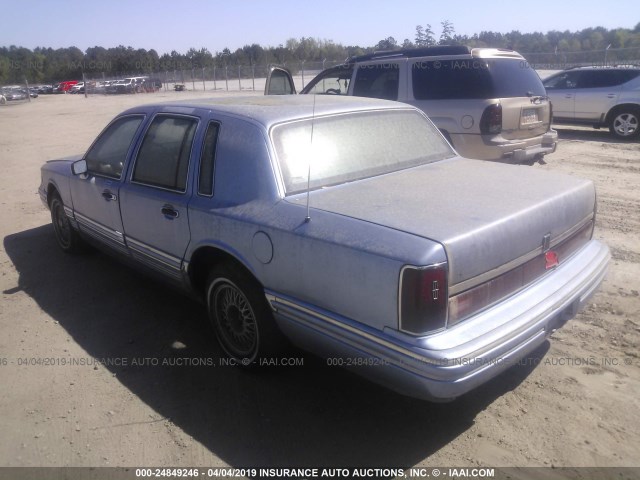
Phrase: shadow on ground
[588,135]
[312,415]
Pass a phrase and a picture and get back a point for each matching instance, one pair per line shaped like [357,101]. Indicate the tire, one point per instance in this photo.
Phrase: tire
[68,239]
[241,317]
[625,123]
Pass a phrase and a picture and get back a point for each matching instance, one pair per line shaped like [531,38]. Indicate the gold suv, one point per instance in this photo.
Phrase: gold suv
[487,102]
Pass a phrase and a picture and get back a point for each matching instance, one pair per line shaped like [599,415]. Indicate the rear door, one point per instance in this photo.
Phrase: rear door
[156,196]
[597,92]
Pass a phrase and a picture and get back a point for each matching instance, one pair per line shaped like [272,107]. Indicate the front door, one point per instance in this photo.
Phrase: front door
[561,89]
[95,194]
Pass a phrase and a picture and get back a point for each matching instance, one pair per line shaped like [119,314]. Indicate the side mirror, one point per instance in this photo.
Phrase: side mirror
[79,167]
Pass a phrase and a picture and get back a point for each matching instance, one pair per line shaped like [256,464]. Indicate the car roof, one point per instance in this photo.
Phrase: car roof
[271,109]
[437,51]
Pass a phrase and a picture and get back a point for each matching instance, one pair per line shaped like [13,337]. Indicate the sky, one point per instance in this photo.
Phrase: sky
[180,25]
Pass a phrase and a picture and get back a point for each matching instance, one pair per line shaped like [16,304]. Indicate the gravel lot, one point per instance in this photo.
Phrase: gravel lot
[575,404]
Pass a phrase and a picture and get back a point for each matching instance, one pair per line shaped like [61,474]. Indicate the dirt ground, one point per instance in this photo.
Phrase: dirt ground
[69,324]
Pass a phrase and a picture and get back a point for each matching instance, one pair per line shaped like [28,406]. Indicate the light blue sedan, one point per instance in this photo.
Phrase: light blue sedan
[346,225]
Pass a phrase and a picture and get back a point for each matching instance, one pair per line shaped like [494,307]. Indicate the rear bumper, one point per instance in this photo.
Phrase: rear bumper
[448,364]
[509,151]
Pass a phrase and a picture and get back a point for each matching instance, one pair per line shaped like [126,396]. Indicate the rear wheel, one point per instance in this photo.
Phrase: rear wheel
[625,123]
[68,239]
[241,317]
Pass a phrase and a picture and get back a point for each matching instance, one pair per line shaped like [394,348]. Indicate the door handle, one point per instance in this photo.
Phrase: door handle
[108,196]
[569,95]
[611,95]
[169,212]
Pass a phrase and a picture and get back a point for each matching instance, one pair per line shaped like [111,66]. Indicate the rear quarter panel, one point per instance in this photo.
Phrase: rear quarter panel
[333,262]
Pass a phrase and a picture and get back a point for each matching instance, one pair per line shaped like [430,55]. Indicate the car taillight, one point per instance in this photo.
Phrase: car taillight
[424,297]
[491,120]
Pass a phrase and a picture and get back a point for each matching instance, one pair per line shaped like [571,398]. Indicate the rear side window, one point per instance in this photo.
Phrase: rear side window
[163,160]
[205,180]
[474,78]
[108,154]
[605,78]
[377,81]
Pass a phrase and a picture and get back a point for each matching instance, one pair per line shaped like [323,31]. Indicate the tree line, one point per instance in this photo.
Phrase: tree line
[44,64]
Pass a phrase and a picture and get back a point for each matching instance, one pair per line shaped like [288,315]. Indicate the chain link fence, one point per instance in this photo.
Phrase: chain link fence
[562,60]
[228,78]
[252,78]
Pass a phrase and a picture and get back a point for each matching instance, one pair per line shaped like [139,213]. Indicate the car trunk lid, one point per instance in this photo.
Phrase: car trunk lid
[486,215]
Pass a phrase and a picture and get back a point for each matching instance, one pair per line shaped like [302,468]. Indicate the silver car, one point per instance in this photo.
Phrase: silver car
[487,102]
[347,225]
[606,97]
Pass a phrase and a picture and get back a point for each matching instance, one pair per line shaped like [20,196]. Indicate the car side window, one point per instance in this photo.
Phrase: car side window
[334,81]
[563,81]
[109,152]
[163,159]
[377,81]
[598,79]
[605,78]
[207,161]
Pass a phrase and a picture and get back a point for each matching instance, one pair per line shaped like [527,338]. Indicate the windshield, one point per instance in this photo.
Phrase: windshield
[354,146]
[475,78]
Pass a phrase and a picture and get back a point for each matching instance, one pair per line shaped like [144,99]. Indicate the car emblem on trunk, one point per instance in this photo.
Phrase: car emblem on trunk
[551,260]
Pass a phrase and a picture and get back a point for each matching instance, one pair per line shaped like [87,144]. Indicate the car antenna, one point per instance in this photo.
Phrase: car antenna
[307,219]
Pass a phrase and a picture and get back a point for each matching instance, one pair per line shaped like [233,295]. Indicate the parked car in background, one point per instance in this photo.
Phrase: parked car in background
[127,85]
[14,93]
[77,88]
[486,101]
[64,87]
[150,84]
[347,225]
[601,97]
[110,86]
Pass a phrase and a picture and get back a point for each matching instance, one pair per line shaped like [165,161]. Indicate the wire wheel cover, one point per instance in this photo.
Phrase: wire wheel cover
[236,320]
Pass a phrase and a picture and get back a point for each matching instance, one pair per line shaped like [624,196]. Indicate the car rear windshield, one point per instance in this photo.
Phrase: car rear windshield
[354,146]
[475,78]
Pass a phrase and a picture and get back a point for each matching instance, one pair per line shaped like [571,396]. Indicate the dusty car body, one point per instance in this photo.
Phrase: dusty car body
[348,225]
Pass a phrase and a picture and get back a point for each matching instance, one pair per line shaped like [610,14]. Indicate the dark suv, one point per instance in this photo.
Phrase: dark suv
[487,102]
[599,97]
